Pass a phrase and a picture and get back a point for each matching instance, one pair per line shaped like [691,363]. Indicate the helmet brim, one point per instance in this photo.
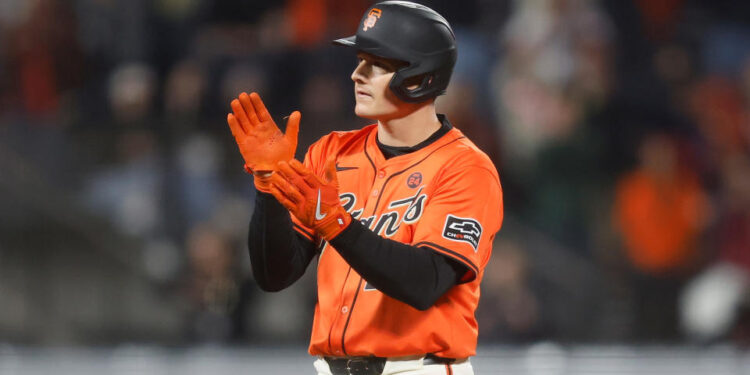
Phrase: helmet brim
[347,42]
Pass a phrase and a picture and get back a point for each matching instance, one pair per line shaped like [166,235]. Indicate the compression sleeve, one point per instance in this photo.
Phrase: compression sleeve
[413,275]
[279,255]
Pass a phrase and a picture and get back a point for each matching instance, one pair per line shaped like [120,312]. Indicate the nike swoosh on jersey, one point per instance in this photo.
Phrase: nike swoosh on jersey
[318,215]
[340,169]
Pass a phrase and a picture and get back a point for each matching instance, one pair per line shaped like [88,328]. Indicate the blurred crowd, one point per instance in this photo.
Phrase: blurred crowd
[621,131]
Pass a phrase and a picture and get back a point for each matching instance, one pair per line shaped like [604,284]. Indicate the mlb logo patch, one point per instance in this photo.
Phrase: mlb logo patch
[463,230]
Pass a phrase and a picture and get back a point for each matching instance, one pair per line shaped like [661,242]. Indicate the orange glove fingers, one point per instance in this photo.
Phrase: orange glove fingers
[250,109]
[282,198]
[285,193]
[235,126]
[290,191]
[241,116]
[260,108]
[292,129]
[312,200]
[305,174]
[297,179]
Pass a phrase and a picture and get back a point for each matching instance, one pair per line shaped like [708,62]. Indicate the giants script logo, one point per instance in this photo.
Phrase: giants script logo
[372,18]
[388,223]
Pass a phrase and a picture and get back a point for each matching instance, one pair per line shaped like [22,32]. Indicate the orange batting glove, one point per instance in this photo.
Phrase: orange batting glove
[313,200]
[261,143]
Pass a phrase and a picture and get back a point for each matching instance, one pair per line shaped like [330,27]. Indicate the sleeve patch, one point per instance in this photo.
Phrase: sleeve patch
[463,230]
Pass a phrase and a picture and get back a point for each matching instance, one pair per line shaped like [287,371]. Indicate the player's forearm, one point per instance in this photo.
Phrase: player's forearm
[278,255]
[415,276]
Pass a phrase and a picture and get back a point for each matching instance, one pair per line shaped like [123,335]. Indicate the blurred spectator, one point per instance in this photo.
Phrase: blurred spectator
[45,56]
[713,302]
[244,76]
[509,311]
[197,184]
[555,76]
[113,31]
[734,219]
[322,104]
[459,104]
[184,98]
[314,21]
[213,287]
[132,89]
[660,18]
[660,212]
[129,191]
[717,105]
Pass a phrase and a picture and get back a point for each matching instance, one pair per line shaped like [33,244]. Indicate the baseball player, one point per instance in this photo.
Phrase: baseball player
[401,214]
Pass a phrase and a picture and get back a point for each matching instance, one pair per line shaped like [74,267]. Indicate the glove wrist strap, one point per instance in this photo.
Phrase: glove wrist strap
[262,180]
[334,224]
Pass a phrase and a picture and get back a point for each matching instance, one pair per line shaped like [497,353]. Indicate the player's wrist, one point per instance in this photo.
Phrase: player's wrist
[330,227]
[262,179]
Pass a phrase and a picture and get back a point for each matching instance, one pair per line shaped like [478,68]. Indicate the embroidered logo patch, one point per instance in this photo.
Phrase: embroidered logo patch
[463,229]
[414,180]
[372,18]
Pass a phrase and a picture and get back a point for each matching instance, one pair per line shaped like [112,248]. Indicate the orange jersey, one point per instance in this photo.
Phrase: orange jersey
[445,197]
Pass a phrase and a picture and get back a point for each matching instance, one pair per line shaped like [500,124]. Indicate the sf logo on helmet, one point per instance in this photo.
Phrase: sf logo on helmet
[372,18]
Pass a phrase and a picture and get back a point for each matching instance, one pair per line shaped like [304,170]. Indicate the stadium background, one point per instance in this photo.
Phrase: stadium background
[621,130]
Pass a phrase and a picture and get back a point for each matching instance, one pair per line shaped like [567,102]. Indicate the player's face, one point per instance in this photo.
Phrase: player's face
[374,99]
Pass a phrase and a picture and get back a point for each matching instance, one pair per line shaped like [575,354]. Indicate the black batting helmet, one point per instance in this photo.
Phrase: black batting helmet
[412,33]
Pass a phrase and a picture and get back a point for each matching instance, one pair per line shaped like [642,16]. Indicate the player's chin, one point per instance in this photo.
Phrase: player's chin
[365,111]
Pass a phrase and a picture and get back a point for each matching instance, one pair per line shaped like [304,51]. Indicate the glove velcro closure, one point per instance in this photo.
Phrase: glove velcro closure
[262,180]
[334,224]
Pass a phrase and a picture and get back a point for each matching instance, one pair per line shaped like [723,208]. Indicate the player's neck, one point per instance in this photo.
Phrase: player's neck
[409,130]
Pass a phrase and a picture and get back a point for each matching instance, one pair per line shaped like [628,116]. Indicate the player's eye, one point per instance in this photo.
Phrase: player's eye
[383,65]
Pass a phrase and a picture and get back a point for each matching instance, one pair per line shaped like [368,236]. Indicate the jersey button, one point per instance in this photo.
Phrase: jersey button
[345,309]
[381,174]
[375,193]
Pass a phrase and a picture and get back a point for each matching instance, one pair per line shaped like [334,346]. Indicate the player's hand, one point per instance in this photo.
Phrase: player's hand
[312,199]
[260,141]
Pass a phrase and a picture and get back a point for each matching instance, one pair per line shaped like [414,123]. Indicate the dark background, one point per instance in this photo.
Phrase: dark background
[621,131]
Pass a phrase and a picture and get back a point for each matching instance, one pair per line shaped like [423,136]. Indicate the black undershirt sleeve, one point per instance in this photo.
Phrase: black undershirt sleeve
[413,275]
[279,255]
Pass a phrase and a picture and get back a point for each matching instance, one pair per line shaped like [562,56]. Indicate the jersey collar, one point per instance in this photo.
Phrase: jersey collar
[374,153]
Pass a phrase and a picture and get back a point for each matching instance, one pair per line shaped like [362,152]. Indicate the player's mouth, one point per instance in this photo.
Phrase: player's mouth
[359,93]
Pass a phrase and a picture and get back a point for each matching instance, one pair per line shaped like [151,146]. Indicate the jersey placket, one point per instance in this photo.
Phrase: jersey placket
[354,285]
[353,282]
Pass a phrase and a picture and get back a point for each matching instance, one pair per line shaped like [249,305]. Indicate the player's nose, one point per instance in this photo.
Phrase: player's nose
[359,73]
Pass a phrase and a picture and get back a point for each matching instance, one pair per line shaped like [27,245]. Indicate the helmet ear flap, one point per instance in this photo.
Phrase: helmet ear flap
[420,81]
[426,80]
[412,89]
[430,82]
